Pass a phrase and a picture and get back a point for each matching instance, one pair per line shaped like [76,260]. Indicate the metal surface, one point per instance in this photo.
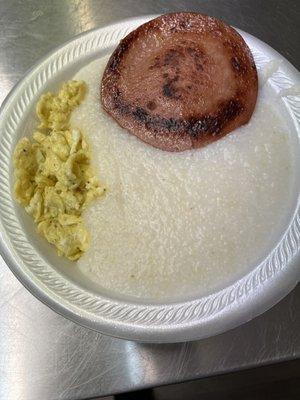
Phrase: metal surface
[45,356]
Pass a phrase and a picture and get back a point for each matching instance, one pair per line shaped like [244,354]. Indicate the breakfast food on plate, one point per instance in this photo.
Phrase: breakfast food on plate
[54,179]
[178,225]
[174,225]
[180,81]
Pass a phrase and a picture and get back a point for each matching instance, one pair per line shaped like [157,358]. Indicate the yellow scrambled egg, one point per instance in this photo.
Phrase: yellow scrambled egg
[54,178]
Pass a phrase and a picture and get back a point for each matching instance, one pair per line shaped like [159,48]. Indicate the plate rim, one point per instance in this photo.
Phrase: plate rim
[179,321]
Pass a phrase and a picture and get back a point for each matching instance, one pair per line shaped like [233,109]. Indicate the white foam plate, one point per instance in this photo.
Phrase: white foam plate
[40,270]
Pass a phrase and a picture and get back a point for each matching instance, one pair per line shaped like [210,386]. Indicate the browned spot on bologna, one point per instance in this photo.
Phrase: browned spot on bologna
[155,64]
[198,57]
[151,105]
[204,124]
[238,65]
[113,62]
[170,88]
[172,57]
[213,124]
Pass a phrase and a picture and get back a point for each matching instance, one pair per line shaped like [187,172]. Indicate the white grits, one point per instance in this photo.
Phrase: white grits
[177,225]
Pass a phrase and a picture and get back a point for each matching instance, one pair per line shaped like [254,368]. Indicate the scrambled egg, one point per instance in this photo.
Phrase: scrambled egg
[54,179]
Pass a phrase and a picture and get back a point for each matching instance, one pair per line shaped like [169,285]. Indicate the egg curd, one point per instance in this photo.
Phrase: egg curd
[54,178]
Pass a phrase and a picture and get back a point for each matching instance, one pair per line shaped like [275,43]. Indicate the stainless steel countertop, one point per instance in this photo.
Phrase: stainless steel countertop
[43,355]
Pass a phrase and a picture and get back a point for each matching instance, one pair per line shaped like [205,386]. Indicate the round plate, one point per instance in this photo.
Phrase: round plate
[257,291]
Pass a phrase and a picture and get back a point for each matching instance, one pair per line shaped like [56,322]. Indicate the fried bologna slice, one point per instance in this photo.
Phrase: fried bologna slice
[180,81]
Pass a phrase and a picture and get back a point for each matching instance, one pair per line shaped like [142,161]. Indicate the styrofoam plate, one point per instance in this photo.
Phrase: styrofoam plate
[40,271]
